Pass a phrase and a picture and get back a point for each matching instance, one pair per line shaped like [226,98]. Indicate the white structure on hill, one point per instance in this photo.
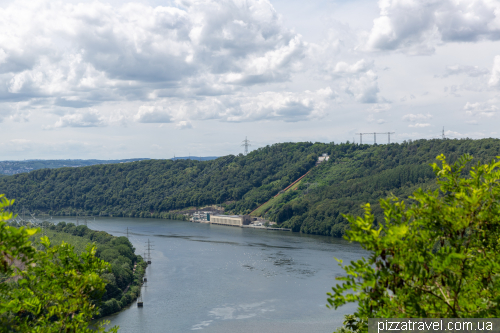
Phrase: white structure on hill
[322,158]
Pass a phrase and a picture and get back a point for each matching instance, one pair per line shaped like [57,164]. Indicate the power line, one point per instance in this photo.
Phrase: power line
[150,247]
[375,136]
[246,144]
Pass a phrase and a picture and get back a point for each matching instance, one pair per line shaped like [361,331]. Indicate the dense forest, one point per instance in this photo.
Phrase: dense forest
[355,174]
[149,188]
[123,280]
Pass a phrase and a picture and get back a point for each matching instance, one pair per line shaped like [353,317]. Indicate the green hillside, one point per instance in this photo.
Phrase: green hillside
[150,188]
[355,174]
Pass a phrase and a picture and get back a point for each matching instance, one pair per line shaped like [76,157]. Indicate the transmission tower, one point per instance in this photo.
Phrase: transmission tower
[246,144]
[150,247]
[443,134]
[375,136]
[127,232]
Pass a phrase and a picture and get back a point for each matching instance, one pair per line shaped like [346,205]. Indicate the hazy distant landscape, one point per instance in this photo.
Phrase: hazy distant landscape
[15,167]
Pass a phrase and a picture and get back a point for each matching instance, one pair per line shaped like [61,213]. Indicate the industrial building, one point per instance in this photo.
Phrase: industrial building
[233,220]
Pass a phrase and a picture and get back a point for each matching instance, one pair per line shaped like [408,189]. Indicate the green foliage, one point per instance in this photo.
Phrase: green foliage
[123,276]
[153,188]
[51,290]
[439,258]
[14,243]
[79,243]
[359,174]
[352,324]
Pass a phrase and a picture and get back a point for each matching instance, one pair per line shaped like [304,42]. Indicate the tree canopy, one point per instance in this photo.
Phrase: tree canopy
[438,258]
[49,290]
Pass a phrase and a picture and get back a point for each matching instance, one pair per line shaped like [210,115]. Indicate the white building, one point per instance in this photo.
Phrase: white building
[233,220]
[322,158]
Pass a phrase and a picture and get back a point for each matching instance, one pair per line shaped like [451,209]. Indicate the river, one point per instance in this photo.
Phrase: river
[213,278]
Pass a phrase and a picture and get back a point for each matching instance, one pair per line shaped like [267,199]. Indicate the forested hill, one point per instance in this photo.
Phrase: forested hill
[149,188]
[355,174]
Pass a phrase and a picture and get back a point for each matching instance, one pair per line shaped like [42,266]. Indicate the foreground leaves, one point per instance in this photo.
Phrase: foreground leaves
[439,258]
[53,290]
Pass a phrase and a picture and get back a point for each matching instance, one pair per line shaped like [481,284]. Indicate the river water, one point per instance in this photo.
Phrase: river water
[212,278]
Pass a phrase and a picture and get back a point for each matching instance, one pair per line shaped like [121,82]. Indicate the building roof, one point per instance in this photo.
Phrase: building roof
[227,215]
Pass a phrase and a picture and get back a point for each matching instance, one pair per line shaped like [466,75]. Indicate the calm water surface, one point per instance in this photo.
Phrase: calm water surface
[212,278]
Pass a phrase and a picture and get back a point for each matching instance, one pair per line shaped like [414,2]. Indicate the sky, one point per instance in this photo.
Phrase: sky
[153,79]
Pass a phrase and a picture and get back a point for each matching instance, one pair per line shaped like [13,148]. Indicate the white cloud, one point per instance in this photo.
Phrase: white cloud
[88,118]
[20,116]
[362,66]
[383,107]
[79,55]
[152,114]
[183,124]
[495,73]
[365,88]
[480,109]
[471,71]
[284,106]
[416,117]
[417,26]
[419,125]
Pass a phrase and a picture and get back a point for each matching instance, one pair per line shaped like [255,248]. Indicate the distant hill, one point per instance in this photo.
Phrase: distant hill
[16,167]
[152,187]
[355,174]
[198,158]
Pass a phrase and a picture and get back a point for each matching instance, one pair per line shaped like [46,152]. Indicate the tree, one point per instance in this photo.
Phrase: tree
[439,258]
[53,290]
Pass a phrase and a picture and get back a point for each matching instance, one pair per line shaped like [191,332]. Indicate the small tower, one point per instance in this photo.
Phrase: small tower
[246,144]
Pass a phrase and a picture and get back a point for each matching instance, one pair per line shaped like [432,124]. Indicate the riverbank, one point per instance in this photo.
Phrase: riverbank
[126,274]
[244,226]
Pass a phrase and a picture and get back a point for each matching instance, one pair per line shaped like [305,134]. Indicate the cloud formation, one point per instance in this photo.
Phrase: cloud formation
[284,106]
[90,53]
[471,71]
[417,26]
[417,120]
[494,80]
[152,114]
[480,109]
[85,118]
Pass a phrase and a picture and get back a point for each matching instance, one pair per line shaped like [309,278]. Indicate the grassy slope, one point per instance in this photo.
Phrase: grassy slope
[56,238]
[273,201]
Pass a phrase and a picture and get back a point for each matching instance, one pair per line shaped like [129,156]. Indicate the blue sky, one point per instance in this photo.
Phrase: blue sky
[117,79]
